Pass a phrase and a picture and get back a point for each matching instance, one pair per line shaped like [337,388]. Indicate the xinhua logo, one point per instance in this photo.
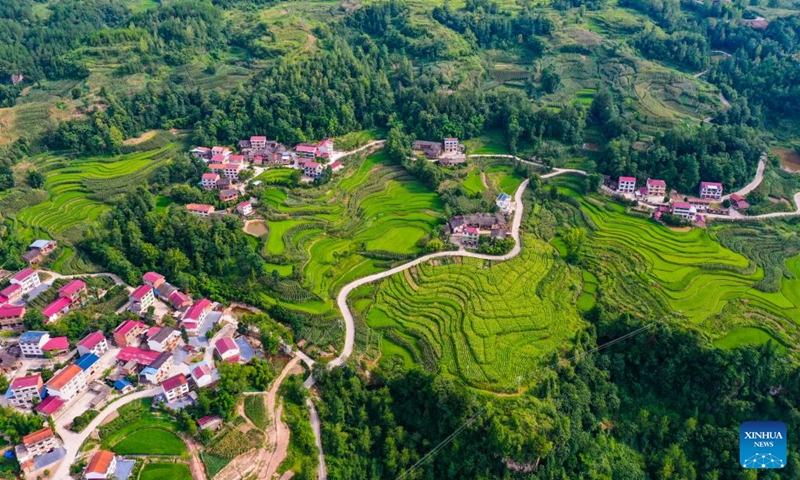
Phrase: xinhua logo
[762,444]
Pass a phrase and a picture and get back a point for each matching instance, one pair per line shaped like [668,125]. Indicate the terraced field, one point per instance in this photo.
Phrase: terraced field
[76,188]
[489,324]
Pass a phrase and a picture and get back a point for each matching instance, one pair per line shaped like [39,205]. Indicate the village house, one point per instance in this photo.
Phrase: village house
[67,383]
[312,169]
[738,202]
[203,153]
[626,185]
[88,363]
[470,236]
[11,317]
[258,142]
[134,359]
[700,204]
[123,386]
[227,350]
[195,316]
[23,390]
[51,407]
[210,422]
[711,190]
[11,294]
[202,376]
[482,221]
[141,299]
[154,280]
[74,290]
[224,183]
[38,251]
[306,150]
[175,388]
[102,466]
[200,209]
[179,300]
[209,180]
[505,203]
[94,343]
[157,371]
[56,309]
[336,166]
[129,333]
[452,161]
[431,150]
[684,209]
[56,346]
[27,279]
[235,159]
[451,145]
[245,208]
[656,188]
[165,340]
[35,445]
[31,343]
[223,152]
[33,257]
[325,148]
[229,195]
[227,170]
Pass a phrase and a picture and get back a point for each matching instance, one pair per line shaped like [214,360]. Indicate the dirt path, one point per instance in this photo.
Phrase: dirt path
[195,463]
[278,433]
[483,180]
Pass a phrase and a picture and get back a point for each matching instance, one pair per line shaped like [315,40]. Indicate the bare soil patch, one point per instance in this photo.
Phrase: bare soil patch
[790,159]
[141,138]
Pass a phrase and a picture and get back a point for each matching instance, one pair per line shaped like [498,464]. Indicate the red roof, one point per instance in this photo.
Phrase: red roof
[258,138]
[8,311]
[683,205]
[304,147]
[312,165]
[200,207]
[193,313]
[72,288]
[471,230]
[127,326]
[56,306]
[91,340]
[233,359]
[236,158]
[225,344]
[207,419]
[742,204]
[10,290]
[50,405]
[23,274]
[140,292]
[152,277]
[142,357]
[100,462]
[736,197]
[25,382]
[3,299]
[58,343]
[210,176]
[652,182]
[243,204]
[710,184]
[174,382]
[201,371]
[225,166]
[152,331]
[37,436]
[627,179]
[179,298]
[218,158]
[64,376]
[336,165]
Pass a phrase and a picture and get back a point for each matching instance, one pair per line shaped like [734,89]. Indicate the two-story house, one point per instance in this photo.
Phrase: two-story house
[175,388]
[27,279]
[74,290]
[23,390]
[200,209]
[165,340]
[95,343]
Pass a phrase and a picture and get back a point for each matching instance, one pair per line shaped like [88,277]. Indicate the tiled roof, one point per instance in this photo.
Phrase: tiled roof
[56,306]
[152,277]
[25,382]
[627,179]
[100,462]
[23,274]
[201,371]
[64,376]
[58,343]
[199,207]
[142,357]
[682,205]
[652,182]
[141,291]
[193,313]
[91,340]
[72,287]
[127,326]
[37,436]
[225,344]
[210,176]
[174,382]
[9,311]
[50,405]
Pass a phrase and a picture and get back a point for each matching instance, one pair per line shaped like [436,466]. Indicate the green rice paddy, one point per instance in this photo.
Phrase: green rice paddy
[473,183]
[747,336]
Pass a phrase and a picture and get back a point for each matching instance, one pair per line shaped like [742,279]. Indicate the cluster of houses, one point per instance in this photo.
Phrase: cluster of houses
[691,209]
[12,308]
[38,251]
[466,230]
[449,152]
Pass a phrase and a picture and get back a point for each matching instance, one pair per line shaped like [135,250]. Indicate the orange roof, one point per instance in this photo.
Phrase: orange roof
[37,436]
[100,462]
[63,377]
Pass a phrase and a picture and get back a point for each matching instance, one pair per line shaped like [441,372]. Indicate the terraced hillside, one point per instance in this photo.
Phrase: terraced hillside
[76,188]
[489,324]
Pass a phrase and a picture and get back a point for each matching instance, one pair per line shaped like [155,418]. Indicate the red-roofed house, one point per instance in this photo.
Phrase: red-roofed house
[141,299]
[312,169]
[56,346]
[245,209]
[200,209]
[306,150]
[67,383]
[227,170]
[95,343]
[209,180]
[656,188]
[258,142]
[27,279]
[711,190]
[11,316]
[128,333]
[236,159]
[57,309]
[222,151]
[202,376]
[626,185]
[336,166]
[37,444]
[470,236]
[738,202]
[51,406]
[180,300]
[12,293]
[175,388]
[74,290]
[325,148]
[23,390]
[210,422]
[138,355]
[153,279]
[684,209]
[195,316]
[102,466]
[227,350]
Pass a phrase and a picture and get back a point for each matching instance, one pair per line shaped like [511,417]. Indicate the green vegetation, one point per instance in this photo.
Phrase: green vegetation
[213,463]
[739,337]
[256,410]
[233,443]
[159,471]
[474,182]
[140,431]
[150,441]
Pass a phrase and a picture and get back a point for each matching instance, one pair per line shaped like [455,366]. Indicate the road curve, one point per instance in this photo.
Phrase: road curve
[73,441]
[762,163]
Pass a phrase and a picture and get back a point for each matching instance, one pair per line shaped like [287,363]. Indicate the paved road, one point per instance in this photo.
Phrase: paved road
[73,441]
[762,163]
[115,278]
[340,155]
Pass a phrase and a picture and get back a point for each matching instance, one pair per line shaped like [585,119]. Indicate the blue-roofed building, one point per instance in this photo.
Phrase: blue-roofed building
[123,385]
[505,203]
[31,343]
[88,364]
